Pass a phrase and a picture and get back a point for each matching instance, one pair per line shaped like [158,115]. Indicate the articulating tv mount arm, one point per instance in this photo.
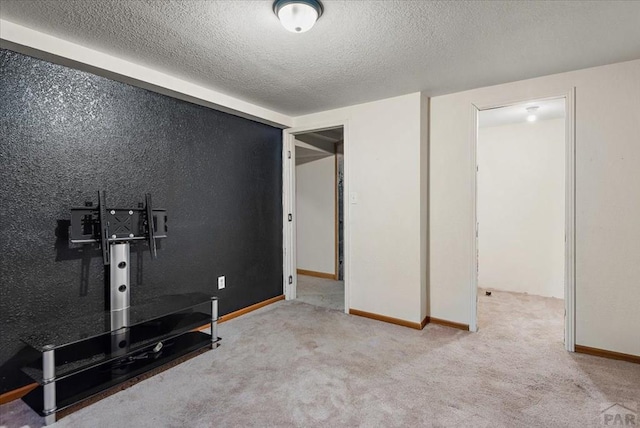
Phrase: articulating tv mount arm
[114,229]
[117,225]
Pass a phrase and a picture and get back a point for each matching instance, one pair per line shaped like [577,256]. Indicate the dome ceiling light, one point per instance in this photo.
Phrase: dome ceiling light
[298,16]
[532,113]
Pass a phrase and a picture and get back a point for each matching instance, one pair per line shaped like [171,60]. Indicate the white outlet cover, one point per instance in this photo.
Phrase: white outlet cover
[354,197]
[221,282]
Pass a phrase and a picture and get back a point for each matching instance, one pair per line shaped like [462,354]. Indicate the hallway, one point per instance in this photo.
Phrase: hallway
[325,293]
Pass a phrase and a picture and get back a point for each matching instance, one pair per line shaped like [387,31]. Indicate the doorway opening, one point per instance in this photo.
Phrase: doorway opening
[524,223]
[318,221]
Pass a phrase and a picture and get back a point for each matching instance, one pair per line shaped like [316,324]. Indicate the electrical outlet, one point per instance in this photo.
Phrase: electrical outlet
[221,282]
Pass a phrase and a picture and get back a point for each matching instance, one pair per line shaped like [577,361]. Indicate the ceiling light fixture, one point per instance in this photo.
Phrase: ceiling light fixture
[532,114]
[298,16]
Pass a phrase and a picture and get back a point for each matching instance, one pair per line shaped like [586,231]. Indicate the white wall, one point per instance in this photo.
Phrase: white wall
[521,207]
[383,154]
[607,199]
[315,215]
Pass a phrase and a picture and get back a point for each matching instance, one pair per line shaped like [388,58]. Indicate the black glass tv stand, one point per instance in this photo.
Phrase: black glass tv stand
[84,358]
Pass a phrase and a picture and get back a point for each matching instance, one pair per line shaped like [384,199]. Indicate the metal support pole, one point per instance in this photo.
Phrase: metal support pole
[214,322]
[119,285]
[49,380]
[119,255]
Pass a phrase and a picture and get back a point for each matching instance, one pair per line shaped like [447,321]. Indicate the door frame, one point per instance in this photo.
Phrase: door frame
[289,267]
[570,216]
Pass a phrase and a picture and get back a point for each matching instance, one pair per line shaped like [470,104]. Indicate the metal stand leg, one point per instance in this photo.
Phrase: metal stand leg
[119,287]
[120,295]
[214,323]
[49,377]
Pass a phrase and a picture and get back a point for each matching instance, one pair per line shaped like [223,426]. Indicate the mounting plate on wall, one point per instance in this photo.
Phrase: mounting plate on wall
[117,225]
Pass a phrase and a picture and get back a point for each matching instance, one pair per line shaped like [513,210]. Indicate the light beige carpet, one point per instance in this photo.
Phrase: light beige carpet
[293,364]
[326,293]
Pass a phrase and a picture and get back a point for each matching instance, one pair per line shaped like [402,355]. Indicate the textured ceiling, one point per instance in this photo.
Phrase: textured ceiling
[358,51]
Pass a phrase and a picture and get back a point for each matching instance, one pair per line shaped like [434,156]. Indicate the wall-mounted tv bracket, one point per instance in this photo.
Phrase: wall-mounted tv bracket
[114,229]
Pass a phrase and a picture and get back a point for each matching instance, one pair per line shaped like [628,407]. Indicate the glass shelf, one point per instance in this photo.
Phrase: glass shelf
[61,333]
[97,379]
[103,349]
[82,357]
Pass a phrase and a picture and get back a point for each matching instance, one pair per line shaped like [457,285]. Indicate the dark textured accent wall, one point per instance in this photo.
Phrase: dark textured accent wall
[65,134]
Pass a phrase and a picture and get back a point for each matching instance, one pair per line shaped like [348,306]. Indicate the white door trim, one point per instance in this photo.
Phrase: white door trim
[570,216]
[289,204]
